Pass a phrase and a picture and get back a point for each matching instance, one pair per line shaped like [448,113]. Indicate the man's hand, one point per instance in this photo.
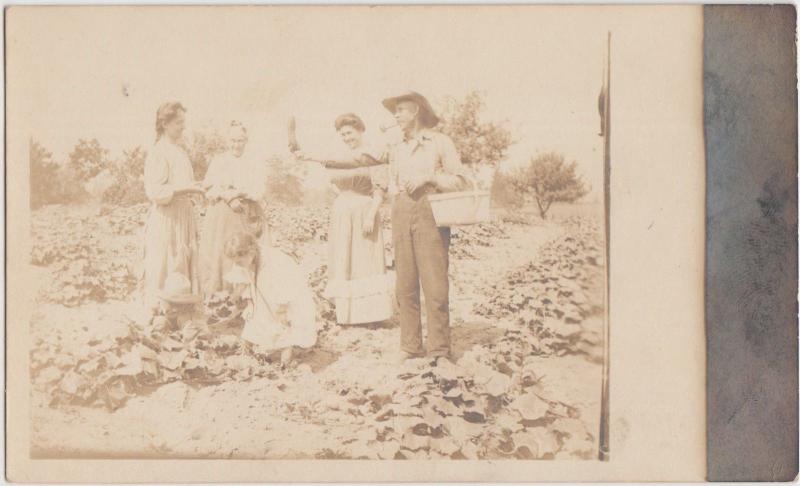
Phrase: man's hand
[417,182]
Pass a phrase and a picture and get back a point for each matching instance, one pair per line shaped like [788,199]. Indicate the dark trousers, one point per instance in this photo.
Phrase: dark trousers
[421,255]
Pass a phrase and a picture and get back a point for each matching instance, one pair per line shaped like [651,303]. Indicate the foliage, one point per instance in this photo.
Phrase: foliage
[317,281]
[202,148]
[477,141]
[82,269]
[487,406]
[548,179]
[87,159]
[90,276]
[551,294]
[493,403]
[466,239]
[128,175]
[284,183]
[44,175]
[50,182]
[106,372]
[504,192]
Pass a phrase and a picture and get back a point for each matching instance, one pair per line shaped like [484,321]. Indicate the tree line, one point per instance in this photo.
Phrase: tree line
[90,173]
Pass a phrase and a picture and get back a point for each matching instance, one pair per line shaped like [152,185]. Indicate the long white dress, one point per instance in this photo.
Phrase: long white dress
[171,231]
[358,283]
[244,174]
[281,311]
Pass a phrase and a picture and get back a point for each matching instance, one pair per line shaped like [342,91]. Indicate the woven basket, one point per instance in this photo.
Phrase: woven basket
[460,208]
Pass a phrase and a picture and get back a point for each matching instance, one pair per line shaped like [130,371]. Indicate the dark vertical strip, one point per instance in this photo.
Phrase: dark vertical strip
[604,398]
[750,121]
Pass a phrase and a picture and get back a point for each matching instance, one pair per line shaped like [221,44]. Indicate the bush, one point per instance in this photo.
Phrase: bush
[128,175]
[44,175]
[505,193]
[51,183]
[284,183]
[87,159]
[202,148]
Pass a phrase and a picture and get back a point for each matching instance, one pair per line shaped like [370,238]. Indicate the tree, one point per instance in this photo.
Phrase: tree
[548,179]
[128,173]
[51,182]
[478,142]
[202,148]
[504,192]
[284,182]
[43,177]
[88,159]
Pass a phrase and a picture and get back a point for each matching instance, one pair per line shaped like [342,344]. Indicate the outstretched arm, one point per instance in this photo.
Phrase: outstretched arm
[362,160]
[364,157]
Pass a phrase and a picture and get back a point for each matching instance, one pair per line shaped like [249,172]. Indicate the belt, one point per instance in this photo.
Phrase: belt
[420,192]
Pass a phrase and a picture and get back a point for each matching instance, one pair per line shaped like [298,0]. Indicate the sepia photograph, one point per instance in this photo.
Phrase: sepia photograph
[318,233]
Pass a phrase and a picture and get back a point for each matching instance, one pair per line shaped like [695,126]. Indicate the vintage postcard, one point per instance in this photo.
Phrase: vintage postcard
[355,243]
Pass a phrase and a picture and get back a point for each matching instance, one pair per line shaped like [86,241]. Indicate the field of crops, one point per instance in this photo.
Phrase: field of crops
[526,306]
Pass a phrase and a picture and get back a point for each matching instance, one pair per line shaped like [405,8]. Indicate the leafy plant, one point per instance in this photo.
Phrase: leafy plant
[492,404]
[549,295]
[466,239]
[81,268]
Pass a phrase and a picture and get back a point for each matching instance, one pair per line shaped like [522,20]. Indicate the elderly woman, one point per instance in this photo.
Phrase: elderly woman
[170,231]
[357,280]
[235,184]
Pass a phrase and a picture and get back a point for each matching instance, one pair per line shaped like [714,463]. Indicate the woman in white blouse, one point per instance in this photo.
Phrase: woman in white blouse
[171,230]
[237,256]
[235,184]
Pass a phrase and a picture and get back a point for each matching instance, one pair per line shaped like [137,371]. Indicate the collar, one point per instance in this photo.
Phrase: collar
[422,135]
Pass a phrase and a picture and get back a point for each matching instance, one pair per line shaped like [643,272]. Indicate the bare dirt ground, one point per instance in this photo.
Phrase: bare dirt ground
[526,312]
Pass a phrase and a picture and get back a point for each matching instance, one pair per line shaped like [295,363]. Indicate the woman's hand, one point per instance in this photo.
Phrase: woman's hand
[213,193]
[236,205]
[189,188]
[368,225]
[230,195]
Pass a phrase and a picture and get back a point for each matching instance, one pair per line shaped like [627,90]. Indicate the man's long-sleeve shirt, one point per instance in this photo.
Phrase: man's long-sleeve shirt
[426,153]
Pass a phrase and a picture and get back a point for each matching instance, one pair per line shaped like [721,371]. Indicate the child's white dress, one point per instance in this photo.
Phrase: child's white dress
[281,312]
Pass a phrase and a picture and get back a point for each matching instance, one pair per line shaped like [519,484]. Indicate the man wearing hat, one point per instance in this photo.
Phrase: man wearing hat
[424,162]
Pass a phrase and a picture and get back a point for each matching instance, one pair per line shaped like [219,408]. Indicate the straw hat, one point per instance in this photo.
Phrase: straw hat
[426,114]
[178,290]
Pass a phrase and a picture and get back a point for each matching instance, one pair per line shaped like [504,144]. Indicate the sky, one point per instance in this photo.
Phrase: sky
[102,74]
